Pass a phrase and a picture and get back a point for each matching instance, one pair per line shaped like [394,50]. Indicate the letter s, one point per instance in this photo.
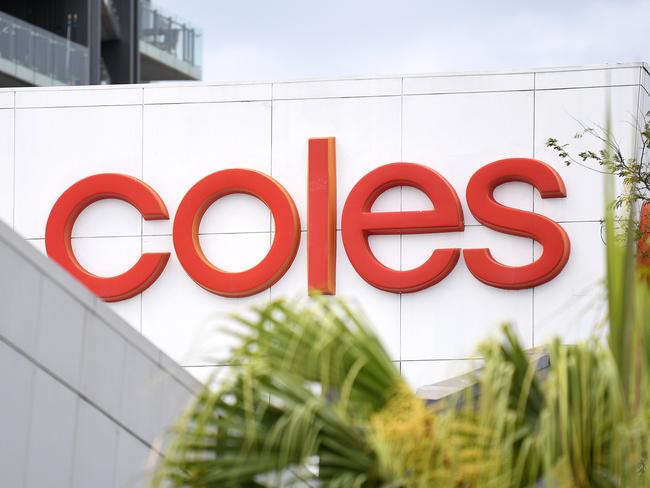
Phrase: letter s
[552,237]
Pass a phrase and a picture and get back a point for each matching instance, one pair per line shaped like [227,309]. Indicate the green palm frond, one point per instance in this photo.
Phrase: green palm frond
[315,400]
[309,375]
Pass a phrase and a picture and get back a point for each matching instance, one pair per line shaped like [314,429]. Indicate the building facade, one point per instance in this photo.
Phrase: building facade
[81,42]
[88,400]
[171,137]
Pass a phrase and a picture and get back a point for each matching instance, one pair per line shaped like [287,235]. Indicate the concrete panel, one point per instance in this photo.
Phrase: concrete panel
[61,427]
[174,402]
[52,433]
[61,332]
[20,288]
[135,462]
[140,405]
[16,380]
[95,449]
[101,346]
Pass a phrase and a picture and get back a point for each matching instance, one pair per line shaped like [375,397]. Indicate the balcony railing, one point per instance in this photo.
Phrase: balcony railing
[170,34]
[40,52]
[112,6]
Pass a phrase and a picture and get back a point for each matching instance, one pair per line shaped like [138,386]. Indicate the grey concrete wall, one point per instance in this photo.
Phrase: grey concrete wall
[86,399]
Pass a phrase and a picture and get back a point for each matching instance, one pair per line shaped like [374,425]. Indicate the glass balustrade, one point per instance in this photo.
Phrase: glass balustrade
[32,51]
[170,34]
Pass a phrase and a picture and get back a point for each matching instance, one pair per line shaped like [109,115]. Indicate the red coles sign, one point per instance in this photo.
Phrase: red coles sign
[358,223]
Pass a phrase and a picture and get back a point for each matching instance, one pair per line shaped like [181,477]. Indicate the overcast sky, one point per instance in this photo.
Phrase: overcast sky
[289,39]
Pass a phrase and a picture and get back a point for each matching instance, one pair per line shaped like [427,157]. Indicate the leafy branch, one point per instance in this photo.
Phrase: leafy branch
[633,172]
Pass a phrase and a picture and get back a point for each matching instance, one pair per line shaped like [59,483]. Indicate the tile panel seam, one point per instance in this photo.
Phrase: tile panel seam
[232,365]
[76,391]
[183,84]
[342,97]
[156,360]
[254,232]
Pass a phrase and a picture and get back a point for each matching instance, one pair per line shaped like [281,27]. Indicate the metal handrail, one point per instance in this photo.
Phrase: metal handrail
[170,34]
[43,52]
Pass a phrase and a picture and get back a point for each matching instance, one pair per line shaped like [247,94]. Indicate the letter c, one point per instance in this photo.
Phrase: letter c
[69,206]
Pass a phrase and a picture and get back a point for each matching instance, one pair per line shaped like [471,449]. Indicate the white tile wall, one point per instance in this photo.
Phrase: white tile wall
[558,114]
[7,166]
[174,135]
[7,98]
[56,147]
[381,308]
[419,85]
[294,282]
[92,222]
[367,132]
[177,154]
[458,134]
[572,304]
[185,320]
[86,96]
[337,88]
[449,319]
[191,93]
[588,77]
[111,256]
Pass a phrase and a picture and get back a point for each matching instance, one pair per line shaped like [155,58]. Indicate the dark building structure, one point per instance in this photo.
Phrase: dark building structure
[78,42]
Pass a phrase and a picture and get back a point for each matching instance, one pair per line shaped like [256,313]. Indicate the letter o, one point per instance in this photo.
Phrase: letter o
[283,249]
